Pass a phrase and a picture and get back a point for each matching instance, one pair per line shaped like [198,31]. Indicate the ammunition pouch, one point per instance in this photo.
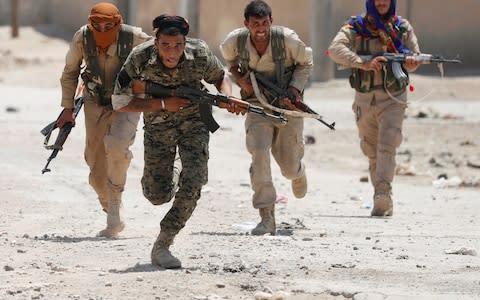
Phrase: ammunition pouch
[362,81]
[394,77]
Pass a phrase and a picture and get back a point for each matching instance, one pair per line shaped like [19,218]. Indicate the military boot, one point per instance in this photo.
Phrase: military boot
[161,256]
[382,200]
[267,225]
[114,217]
[299,186]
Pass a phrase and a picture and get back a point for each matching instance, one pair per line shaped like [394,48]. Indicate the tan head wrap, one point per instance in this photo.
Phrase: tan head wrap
[105,12]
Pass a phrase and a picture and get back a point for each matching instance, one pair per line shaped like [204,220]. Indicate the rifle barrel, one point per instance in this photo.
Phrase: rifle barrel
[442,60]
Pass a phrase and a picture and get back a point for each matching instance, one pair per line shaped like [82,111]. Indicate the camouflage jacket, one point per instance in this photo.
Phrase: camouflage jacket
[143,63]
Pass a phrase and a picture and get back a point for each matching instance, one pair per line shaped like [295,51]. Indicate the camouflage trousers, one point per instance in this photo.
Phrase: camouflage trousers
[285,142]
[185,132]
[109,135]
[379,120]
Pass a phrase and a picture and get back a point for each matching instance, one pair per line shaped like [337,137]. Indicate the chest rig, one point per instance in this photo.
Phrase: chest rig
[363,81]
[283,75]
[92,76]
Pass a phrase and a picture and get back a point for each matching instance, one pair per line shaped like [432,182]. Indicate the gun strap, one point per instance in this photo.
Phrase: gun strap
[278,53]
[243,54]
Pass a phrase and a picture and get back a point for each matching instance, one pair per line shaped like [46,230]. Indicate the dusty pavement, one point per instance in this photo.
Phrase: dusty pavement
[327,248]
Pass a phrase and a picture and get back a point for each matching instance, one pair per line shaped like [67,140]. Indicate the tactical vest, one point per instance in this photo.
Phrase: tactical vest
[92,75]
[283,75]
[363,81]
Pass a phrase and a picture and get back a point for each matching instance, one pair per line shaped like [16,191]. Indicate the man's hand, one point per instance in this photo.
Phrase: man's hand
[376,64]
[245,84]
[66,117]
[287,102]
[243,81]
[411,63]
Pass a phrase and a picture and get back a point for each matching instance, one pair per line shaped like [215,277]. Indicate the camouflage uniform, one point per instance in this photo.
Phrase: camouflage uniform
[109,134]
[379,118]
[166,131]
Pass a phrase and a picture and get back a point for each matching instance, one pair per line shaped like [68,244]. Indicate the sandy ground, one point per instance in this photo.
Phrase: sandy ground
[327,247]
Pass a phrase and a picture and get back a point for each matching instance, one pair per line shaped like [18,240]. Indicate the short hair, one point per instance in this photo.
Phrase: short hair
[170,25]
[258,9]
[170,31]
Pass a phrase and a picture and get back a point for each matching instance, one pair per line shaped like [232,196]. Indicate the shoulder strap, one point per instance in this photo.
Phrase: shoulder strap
[125,42]
[90,47]
[278,53]
[243,51]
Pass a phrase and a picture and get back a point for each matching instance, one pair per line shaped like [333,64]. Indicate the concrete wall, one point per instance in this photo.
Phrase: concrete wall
[441,29]
[448,28]
[71,14]
[30,12]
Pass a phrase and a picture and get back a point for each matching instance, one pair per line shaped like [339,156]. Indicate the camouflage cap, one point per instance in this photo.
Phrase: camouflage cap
[165,21]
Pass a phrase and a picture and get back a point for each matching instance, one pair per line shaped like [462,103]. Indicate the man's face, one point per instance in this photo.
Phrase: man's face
[170,48]
[383,6]
[259,28]
[103,26]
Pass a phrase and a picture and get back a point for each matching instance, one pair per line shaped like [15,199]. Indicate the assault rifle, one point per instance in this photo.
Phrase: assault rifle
[201,96]
[62,134]
[278,94]
[396,60]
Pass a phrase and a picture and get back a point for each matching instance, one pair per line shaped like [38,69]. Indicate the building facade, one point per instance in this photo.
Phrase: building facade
[442,29]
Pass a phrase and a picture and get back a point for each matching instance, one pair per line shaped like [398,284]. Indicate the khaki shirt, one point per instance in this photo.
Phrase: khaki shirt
[107,61]
[344,47]
[297,54]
